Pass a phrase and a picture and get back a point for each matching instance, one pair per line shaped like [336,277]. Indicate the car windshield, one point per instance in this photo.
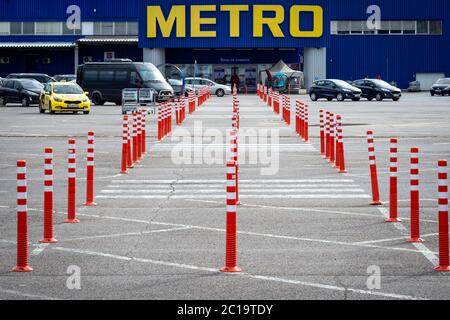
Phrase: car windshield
[149,72]
[60,89]
[382,83]
[343,84]
[31,84]
[443,81]
[175,82]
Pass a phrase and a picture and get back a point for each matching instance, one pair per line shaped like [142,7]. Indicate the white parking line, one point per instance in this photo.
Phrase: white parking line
[244,275]
[264,196]
[27,295]
[394,239]
[127,234]
[39,249]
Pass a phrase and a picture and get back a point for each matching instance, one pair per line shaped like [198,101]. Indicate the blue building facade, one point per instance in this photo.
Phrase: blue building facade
[397,40]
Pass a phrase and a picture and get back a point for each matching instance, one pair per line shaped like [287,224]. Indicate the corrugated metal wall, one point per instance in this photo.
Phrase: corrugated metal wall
[315,65]
[156,56]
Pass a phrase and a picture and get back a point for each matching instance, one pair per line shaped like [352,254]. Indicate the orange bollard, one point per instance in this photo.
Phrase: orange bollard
[230,251]
[124,166]
[72,183]
[22,217]
[444,263]
[322,132]
[414,193]
[393,195]
[90,171]
[373,170]
[48,197]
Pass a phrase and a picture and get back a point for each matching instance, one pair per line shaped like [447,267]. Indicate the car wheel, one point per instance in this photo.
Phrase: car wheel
[313,96]
[97,100]
[379,97]
[85,112]
[220,93]
[50,108]
[25,102]
[432,94]
[41,109]
[2,101]
[340,97]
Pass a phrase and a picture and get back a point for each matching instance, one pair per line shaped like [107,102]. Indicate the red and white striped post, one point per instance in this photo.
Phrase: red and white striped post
[270,98]
[231,247]
[235,158]
[130,163]
[177,112]
[444,263]
[306,124]
[22,217]
[72,183]
[340,154]
[414,193]
[135,140]
[48,197]
[322,132]
[373,170]
[332,139]
[327,135]
[144,131]
[288,110]
[139,134]
[124,166]
[393,183]
[90,170]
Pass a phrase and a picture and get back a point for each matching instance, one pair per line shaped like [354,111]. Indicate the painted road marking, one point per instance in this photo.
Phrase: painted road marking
[27,295]
[245,275]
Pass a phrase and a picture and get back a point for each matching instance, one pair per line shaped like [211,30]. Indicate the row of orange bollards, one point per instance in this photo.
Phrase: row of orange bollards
[302,120]
[22,198]
[444,263]
[332,140]
[134,141]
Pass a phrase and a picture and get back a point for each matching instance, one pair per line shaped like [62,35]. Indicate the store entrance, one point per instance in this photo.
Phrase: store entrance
[223,74]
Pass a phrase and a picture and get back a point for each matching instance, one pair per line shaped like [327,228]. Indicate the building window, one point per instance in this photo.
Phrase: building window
[120,28]
[28,28]
[48,28]
[4,28]
[388,27]
[15,28]
[132,28]
[71,31]
[435,27]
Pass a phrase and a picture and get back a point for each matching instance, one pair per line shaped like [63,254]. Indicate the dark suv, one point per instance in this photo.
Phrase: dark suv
[333,89]
[42,78]
[377,89]
[442,86]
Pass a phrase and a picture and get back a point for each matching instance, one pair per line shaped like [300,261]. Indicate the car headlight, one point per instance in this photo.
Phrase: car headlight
[347,90]
[86,99]
[56,99]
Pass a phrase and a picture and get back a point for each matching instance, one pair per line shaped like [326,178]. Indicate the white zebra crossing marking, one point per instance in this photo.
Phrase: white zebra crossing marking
[249,189]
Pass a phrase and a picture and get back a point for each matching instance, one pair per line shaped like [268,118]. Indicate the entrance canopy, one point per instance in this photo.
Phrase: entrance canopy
[294,78]
[281,67]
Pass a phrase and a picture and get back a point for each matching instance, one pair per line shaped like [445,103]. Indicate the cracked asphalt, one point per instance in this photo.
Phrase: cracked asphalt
[305,232]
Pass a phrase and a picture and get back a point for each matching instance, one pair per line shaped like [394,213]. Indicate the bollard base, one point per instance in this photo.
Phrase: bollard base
[415,240]
[442,268]
[72,221]
[90,204]
[376,203]
[343,171]
[393,220]
[231,269]
[123,172]
[48,240]
[22,269]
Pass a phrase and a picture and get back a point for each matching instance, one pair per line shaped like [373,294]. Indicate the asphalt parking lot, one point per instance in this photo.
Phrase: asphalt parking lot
[304,232]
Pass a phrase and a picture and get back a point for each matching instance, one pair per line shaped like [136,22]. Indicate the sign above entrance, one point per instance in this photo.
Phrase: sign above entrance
[231,23]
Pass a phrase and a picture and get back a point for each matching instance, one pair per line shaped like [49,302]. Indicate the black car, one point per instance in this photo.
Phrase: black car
[65,77]
[24,91]
[333,89]
[442,86]
[106,80]
[377,89]
[42,78]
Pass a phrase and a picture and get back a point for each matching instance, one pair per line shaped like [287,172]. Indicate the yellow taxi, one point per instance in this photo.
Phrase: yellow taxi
[64,97]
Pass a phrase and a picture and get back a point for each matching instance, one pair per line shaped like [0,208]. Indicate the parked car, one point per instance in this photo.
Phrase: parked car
[177,86]
[414,86]
[333,89]
[64,97]
[24,91]
[106,80]
[442,86]
[377,89]
[42,78]
[218,89]
[65,77]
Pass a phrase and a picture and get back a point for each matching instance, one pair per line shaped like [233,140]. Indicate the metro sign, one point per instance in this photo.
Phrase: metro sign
[175,21]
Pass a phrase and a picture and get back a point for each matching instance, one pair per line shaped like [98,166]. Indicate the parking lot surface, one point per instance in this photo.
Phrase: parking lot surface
[305,231]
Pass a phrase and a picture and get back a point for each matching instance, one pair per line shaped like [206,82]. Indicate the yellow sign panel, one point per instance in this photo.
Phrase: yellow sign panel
[177,19]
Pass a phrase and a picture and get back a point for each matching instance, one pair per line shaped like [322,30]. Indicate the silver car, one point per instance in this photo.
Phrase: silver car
[218,89]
